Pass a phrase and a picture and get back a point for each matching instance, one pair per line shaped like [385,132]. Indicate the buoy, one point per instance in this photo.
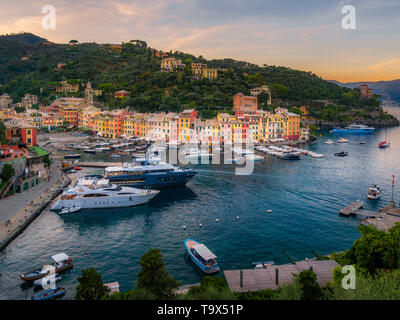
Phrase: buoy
[216,220]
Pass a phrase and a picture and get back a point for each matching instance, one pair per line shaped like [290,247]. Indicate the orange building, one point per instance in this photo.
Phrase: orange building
[20,131]
[242,103]
[70,115]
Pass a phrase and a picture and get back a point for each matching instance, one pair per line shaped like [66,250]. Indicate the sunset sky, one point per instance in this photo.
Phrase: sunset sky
[305,35]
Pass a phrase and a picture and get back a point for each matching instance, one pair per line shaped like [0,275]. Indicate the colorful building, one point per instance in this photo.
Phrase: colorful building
[242,103]
[20,131]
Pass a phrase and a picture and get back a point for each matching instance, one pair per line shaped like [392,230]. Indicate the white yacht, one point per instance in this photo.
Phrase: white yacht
[99,193]
[342,140]
[329,142]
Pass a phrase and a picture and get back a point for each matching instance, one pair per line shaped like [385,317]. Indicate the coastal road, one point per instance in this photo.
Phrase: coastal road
[13,205]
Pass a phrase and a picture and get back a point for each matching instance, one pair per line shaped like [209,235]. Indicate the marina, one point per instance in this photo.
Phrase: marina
[300,196]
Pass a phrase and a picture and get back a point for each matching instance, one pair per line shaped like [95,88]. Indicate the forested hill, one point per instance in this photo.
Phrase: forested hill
[26,68]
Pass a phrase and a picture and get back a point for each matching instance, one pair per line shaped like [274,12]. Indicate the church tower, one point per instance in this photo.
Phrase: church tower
[89,94]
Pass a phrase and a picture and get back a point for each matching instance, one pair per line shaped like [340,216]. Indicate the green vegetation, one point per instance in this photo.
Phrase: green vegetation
[7,172]
[136,69]
[154,277]
[2,132]
[91,286]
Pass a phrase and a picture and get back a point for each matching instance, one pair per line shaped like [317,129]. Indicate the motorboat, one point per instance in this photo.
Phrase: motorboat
[146,175]
[61,262]
[355,129]
[374,192]
[47,280]
[290,156]
[262,264]
[50,294]
[342,140]
[383,144]
[341,154]
[92,151]
[329,142]
[72,156]
[362,142]
[115,155]
[201,256]
[70,210]
[90,193]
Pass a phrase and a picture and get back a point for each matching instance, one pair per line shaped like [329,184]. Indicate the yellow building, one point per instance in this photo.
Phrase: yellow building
[66,87]
[201,70]
[170,64]
[129,126]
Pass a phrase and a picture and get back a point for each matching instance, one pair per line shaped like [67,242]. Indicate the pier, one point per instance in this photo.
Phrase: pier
[99,164]
[273,276]
[355,210]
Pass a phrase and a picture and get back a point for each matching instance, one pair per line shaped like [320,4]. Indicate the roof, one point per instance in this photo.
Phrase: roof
[204,252]
[60,257]
[38,152]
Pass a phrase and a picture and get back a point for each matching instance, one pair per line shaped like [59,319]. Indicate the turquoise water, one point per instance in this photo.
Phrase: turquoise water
[305,197]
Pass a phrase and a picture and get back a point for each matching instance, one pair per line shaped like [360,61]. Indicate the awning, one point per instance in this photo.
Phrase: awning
[60,257]
[204,252]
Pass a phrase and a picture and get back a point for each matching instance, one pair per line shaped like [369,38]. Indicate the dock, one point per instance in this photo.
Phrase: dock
[98,164]
[272,277]
[352,208]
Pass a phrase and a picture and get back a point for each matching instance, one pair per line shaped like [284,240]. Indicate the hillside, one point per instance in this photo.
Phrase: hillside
[389,90]
[24,38]
[135,68]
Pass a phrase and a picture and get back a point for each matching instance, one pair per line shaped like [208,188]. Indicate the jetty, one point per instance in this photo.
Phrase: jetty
[98,164]
[273,276]
[356,210]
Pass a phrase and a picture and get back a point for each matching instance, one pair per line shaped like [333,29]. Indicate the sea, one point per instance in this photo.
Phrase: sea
[305,197]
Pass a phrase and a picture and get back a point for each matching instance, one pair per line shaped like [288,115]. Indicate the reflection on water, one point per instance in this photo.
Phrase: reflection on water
[305,197]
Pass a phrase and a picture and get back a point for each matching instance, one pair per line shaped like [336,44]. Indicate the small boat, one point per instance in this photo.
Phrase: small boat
[341,154]
[115,155]
[362,142]
[261,265]
[290,156]
[342,140]
[89,151]
[78,168]
[201,256]
[329,142]
[383,144]
[72,156]
[70,210]
[374,192]
[47,280]
[61,262]
[50,294]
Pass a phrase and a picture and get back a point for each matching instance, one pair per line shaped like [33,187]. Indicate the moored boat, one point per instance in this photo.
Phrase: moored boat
[92,193]
[47,280]
[61,262]
[374,192]
[201,256]
[383,144]
[72,156]
[50,294]
[355,129]
[341,154]
[329,142]
[342,140]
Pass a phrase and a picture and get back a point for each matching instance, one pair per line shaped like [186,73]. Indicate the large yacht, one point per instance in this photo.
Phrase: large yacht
[99,193]
[354,128]
[149,176]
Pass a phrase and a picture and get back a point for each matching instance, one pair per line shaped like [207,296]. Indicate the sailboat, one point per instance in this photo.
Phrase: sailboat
[386,143]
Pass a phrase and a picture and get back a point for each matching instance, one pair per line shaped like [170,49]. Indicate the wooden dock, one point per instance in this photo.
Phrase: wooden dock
[352,208]
[269,278]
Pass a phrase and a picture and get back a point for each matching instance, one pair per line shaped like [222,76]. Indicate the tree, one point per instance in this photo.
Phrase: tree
[47,161]
[7,172]
[153,275]
[310,289]
[278,90]
[2,132]
[91,286]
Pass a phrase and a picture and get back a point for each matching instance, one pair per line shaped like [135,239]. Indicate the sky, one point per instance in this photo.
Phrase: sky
[301,34]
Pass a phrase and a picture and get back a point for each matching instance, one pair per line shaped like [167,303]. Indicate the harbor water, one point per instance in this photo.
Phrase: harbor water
[305,197]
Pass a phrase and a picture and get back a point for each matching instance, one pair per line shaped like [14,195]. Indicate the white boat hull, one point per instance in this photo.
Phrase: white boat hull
[103,202]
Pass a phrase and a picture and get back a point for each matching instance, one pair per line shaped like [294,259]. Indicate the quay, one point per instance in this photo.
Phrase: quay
[272,277]
[352,208]
[96,164]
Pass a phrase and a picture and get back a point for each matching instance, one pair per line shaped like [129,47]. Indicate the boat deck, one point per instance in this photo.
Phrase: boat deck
[259,279]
